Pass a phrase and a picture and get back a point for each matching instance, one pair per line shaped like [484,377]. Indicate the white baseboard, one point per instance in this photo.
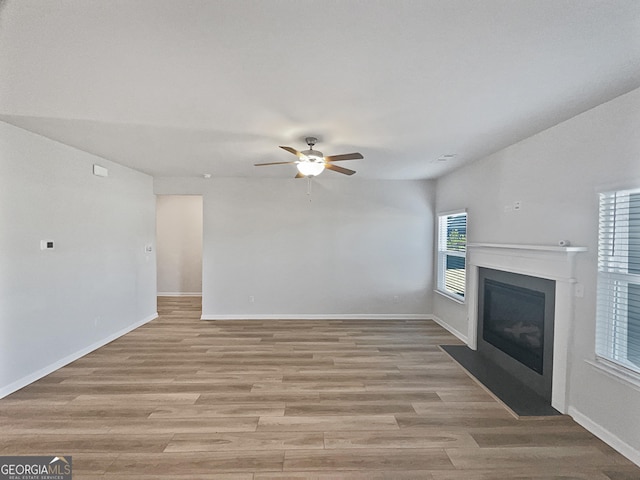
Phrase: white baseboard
[450,329]
[606,436]
[328,316]
[43,372]
[179,294]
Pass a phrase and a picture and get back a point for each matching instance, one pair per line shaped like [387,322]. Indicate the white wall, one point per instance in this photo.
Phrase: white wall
[348,250]
[97,283]
[556,175]
[179,237]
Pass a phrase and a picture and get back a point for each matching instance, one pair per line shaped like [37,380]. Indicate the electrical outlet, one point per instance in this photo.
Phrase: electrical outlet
[579,290]
[517,205]
[396,299]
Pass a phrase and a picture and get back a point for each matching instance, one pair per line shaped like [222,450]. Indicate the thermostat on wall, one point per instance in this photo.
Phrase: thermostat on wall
[46,245]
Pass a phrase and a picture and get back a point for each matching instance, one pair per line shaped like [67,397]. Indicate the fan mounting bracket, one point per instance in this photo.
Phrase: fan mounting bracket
[311,141]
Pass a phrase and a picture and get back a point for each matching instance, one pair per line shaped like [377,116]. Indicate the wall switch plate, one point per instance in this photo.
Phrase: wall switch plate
[47,245]
[517,205]
[148,248]
[579,290]
[252,299]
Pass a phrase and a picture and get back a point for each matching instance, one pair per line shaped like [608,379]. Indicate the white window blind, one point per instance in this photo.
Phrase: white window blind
[452,252]
[618,308]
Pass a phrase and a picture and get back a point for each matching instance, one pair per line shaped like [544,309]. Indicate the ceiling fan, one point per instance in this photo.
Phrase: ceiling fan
[312,163]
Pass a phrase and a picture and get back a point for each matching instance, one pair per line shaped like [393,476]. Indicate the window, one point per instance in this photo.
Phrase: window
[452,251]
[618,310]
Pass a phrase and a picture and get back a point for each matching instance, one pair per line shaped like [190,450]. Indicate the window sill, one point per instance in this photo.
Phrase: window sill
[450,297]
[618,373]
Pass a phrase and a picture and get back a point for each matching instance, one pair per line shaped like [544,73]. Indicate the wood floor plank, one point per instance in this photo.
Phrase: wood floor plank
[11,444]
[78,410]
[348,475]
[308,386]
[399,439]
[171,476]
[181,398]
[535,438]
[366,459]
[345,408]
[531,457]
[421,421]
[621,473]
[116,380]
[472,394]
[539,473]
[221,410]
[257,397]
[461,409]
[154,426]
[245,441]
[137,398]
[328,423]
[222,378]
[88,463]
[196,464]
[368,396]
[14,425]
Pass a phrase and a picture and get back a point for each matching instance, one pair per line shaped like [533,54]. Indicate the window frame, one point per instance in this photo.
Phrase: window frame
[442,255]
[612,310]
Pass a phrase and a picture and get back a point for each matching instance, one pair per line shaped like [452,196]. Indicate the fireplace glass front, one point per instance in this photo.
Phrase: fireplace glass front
[514,322]
[515,326]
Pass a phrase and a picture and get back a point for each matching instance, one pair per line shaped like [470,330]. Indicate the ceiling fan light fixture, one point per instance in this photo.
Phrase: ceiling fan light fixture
[310,168]
[311,163]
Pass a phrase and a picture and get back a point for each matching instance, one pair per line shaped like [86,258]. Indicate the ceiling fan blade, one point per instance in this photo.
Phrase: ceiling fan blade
[344,156]
[336,168]
[292,150]
[299,175]
[272,163]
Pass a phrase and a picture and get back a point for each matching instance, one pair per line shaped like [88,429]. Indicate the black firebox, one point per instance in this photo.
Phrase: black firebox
[515,326]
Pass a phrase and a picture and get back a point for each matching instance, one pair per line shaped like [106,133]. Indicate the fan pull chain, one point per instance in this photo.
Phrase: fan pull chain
[309,187]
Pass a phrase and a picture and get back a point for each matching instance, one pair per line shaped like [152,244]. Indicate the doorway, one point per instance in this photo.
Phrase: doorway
[179,227]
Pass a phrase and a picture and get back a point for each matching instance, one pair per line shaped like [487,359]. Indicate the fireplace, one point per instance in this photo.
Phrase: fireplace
[555,263]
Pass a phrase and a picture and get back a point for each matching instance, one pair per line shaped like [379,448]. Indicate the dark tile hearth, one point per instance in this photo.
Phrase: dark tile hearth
[519,398]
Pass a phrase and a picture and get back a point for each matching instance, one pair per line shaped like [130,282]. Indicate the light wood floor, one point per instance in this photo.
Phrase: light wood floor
[181,398]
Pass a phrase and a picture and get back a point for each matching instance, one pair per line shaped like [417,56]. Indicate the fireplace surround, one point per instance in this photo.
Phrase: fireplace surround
[553,263]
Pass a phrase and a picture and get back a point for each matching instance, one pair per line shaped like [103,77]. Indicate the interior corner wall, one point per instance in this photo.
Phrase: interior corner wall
[556,175]
[352,248]
[179,239]
[97,283]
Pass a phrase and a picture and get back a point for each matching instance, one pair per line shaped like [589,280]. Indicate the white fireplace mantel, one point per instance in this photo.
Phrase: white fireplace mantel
[552,262]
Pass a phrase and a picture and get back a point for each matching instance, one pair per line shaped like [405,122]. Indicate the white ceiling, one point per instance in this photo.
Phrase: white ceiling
[184,87]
